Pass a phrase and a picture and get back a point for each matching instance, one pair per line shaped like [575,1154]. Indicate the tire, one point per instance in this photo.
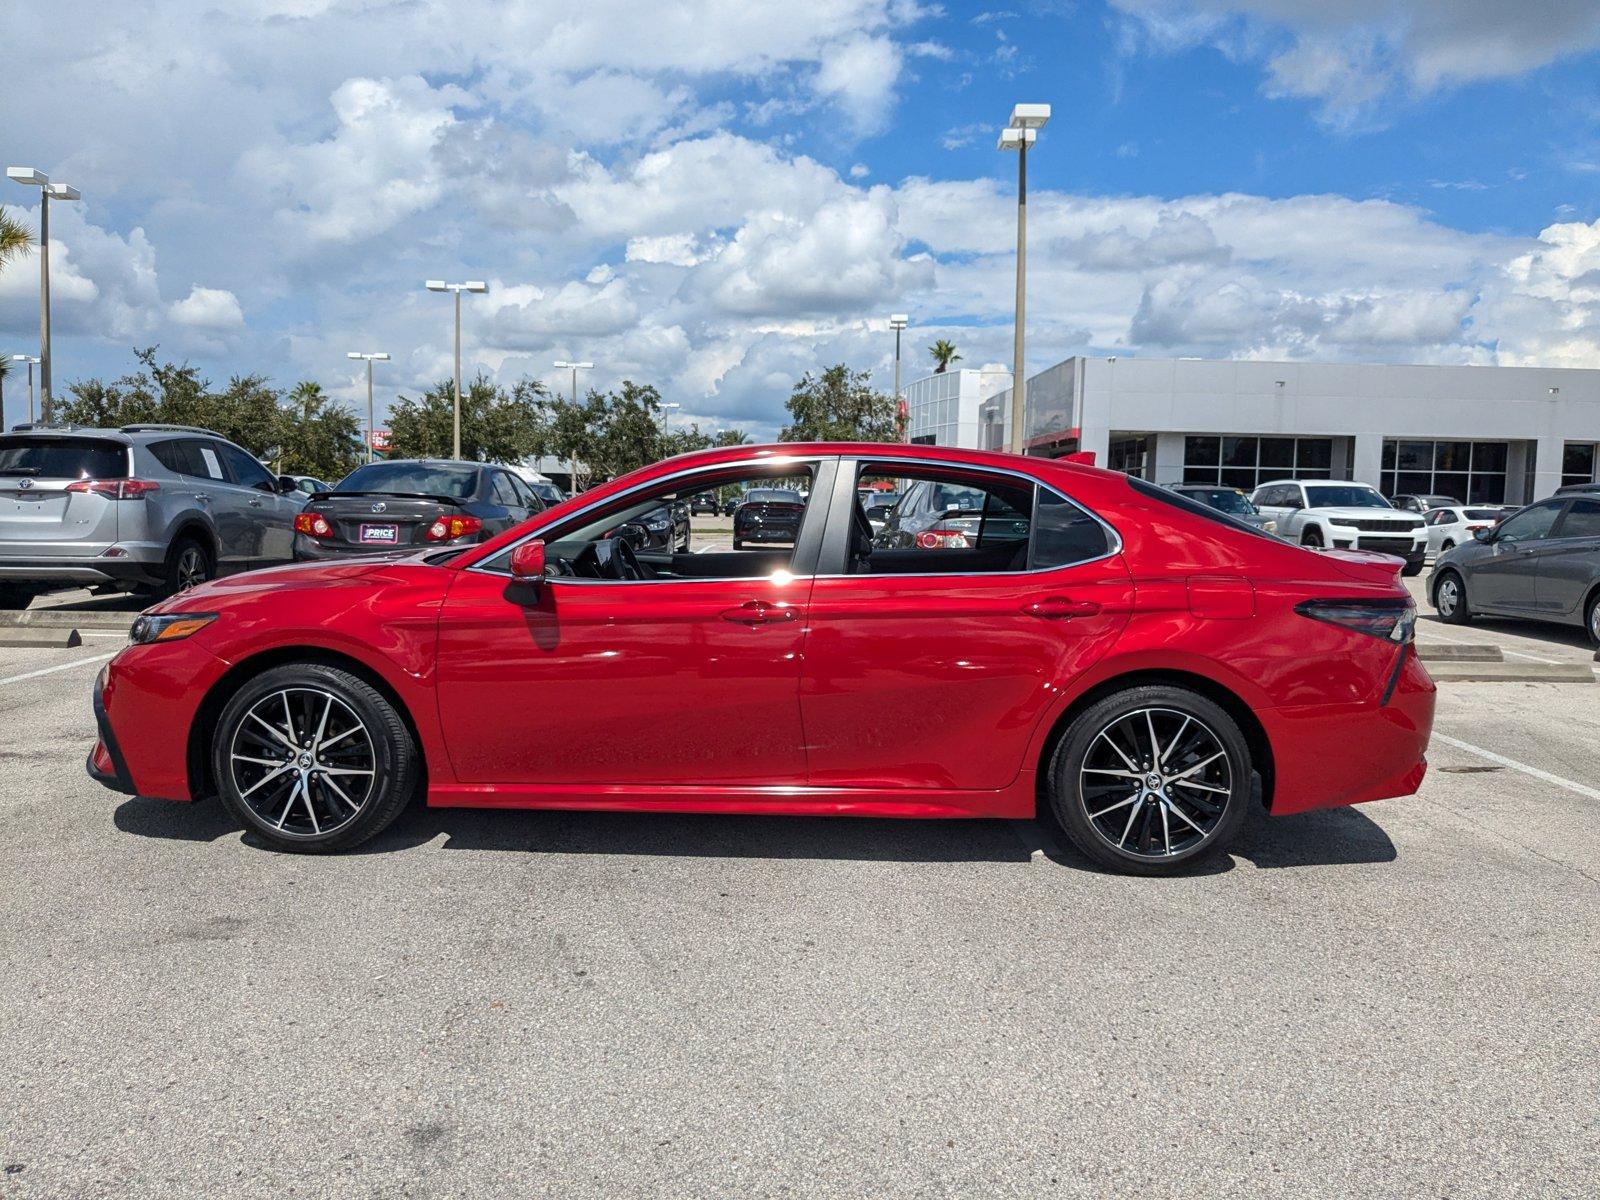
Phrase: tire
[13,598]
[1446,546]
[737,544]
[1411,569]
[1312,539]
[1091,782]
[296,801]
[1450,598]
[1591,621]
[189,564]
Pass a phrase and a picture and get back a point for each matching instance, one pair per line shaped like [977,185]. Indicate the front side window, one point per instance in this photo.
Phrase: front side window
[1531,524]
[246,471]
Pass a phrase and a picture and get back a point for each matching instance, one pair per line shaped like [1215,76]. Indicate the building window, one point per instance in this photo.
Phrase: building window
[1471,472]
[1128,455]
[1578,461]
[1246,462]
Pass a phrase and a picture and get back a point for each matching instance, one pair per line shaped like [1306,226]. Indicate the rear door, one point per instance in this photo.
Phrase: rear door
[1569,562]
[39,517]
[930,665]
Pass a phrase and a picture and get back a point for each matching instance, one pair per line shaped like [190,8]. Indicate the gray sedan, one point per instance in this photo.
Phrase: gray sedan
[1543,563]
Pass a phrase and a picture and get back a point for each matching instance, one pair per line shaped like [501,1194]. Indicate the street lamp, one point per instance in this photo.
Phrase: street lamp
[664,407]
[898,322]
[47,191]
[1026,121]
[572,463]
[439,285]
[32,362]
[369,359]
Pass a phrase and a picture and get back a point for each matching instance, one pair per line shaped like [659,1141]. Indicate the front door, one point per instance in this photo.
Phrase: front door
[684,675]
[1505,579]
[930,665]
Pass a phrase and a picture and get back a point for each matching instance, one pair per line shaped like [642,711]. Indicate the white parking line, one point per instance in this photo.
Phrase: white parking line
[80,662]
[1513,653]
[1581,789]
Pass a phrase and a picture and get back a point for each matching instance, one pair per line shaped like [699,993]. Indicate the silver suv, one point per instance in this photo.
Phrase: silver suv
[144,507]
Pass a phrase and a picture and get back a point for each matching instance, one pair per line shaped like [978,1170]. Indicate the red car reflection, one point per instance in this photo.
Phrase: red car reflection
[1141,667]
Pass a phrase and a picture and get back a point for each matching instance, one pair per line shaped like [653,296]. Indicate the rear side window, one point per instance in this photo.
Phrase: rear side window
[504,493]
[27,457]
[1582,520]
[1064,534]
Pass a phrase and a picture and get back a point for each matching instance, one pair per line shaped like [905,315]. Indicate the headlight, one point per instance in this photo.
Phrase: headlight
[171,627]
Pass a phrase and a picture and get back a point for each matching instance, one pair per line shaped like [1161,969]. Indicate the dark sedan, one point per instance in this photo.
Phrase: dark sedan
[1542,563]
[953,516]
[411,504]
[1228,500]
[768,515]
[665,528]
[704,502]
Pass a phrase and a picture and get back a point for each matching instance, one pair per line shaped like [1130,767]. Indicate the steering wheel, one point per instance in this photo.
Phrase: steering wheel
[615,559]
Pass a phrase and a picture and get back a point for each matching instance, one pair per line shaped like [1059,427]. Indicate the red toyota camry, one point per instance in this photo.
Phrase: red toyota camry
[1014,635]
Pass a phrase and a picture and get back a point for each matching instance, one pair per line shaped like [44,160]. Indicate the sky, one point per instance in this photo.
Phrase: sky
[715,196]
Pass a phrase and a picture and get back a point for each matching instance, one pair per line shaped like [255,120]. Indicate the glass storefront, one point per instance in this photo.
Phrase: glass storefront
[1246,462]
[1471,472]
[1578,461]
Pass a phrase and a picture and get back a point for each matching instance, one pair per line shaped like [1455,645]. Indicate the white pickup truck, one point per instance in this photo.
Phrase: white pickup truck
[1323,513]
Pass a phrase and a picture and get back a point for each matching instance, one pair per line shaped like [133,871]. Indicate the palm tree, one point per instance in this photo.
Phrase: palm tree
[732,437]
[15,237]
[944,353]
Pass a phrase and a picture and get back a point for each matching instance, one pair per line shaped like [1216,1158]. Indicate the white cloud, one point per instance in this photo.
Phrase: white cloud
[213,309]
[860,75]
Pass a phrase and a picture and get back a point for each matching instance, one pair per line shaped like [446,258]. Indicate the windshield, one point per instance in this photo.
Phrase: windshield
[63,458]
[1343,495]
[772,496]
[1223,500]
[429,479]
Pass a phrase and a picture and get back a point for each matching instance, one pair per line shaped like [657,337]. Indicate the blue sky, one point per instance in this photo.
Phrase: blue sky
[715,195]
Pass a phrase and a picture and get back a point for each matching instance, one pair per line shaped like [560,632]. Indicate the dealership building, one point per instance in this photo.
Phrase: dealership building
[1483,434]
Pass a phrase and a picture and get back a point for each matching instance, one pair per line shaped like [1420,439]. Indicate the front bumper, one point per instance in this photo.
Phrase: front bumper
[105,763]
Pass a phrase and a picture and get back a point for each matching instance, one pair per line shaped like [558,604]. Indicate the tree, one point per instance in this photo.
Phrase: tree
[576,430]
[630,429]
[15,237]
[319,437]
[944,353]
[840,406]
[496,425]
[732,437]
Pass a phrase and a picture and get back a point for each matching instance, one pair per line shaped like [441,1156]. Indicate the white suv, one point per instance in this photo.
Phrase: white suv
[1347,516]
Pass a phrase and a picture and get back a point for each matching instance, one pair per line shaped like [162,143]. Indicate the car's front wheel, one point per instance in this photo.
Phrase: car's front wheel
[1450,598]
[1591,621]
[1312,539]
[313,758]
[1151,779]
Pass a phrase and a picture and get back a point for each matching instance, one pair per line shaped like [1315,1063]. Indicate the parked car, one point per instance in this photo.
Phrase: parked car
[705,502]
[141,508]
[403,504]
[664,528]
[731,505]
[1146,670]
[1449,527]
[1423,504]
[768,515]
[1578,489]
[877,505]
[308,485]
[540,485]
[1542,562]
[1227,500]
[948,515]
[1346,516]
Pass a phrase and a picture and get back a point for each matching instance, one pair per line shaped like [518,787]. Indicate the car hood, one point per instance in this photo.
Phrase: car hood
[1360,513]
[233,588]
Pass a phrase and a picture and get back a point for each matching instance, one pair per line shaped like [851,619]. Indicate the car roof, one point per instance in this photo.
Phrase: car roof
[129,435]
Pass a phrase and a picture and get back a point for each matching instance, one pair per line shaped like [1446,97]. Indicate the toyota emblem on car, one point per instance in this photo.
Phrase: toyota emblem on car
[379,506]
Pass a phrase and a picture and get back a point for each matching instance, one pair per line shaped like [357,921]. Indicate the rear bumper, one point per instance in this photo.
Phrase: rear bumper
[309,549]
[1327,755]
[126,570]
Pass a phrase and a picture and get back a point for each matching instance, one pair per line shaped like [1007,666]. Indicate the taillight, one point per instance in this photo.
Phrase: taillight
[116,489]
[947,535]
[312,525]
[446,528]
[1392,620]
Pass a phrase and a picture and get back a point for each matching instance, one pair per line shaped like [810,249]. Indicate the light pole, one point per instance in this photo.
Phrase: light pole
[1026,121]
[47,191]
[572,463]
[439,285]
[369,359]
[31,361]
[664,408]
[898,322]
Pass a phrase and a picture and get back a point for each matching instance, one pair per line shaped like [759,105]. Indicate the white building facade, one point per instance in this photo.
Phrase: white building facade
[944,409]
[1481,434]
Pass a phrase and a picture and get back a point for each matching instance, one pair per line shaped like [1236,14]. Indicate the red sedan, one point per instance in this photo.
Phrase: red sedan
[1064,638]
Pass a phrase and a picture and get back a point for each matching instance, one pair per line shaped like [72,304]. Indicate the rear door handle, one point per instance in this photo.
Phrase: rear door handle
[202,497]
[759,612]
[1060,608]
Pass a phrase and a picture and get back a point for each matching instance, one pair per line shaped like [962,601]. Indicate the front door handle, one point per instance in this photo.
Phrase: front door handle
[1060,608]
[759,612]
[255,503]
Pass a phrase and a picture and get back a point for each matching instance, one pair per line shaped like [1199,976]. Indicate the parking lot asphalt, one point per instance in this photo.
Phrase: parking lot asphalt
[1394,1000]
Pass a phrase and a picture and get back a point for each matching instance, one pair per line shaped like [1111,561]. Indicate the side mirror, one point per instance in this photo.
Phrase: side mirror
[287,484]
[1483,535]
[527,562]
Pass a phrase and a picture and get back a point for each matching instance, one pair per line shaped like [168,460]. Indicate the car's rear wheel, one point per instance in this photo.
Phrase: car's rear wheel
[188,565]
[1446,546]
[313,758]
[13,597]
[1450,598]
[1151,779]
